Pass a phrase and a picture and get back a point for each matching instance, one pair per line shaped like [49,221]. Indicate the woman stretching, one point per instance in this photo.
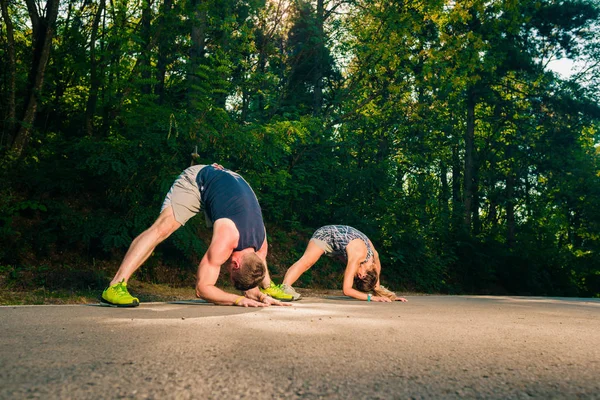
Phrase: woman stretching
[362,263]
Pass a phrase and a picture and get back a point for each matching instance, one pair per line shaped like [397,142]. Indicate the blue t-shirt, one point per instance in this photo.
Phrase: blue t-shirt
[226,194]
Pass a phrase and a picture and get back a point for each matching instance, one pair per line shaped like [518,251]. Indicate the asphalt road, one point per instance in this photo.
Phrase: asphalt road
[321,348]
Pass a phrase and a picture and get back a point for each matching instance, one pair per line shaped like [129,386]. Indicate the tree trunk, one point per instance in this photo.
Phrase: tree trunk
[510,203]
[528,207]
[10,116]
[63,75]
[116,106]
[113,56]
[245,104]
[43,32]
[318,76]
[456,184]
[469,158]
[444,197]
[262,43]
[163,47]
[145,56]
[476,221]
[198,37]
[90,109]
[492,217]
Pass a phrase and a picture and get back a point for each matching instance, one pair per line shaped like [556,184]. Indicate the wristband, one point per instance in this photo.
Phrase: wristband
[237,301]
[369,297]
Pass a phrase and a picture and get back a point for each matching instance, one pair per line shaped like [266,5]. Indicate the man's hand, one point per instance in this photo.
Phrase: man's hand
[217,166]
[259,296]
[246,302]
[402,299]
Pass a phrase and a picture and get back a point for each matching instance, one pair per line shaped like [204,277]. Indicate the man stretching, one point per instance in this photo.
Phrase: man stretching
[239,239]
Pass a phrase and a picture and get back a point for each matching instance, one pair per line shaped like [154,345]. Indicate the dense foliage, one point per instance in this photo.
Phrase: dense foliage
[435,127]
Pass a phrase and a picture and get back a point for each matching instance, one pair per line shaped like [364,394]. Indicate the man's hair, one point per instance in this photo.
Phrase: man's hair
[252,270]
[367,283]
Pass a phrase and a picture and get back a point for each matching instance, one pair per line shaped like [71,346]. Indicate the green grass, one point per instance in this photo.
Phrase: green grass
[147,292]
[43,296]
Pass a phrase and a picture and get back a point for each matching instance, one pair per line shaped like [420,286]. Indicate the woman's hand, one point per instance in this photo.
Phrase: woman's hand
[402,299]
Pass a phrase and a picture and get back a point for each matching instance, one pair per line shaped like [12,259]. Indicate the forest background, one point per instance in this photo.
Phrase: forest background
[433,126]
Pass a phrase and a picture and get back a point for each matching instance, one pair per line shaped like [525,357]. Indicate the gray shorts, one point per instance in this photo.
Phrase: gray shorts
[323,245]
[184,196]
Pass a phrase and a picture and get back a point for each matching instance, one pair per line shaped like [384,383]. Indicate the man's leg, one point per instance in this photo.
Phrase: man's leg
[311,255]
[143,245]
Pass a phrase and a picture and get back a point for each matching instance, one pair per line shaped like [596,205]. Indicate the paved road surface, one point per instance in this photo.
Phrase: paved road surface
[321,348]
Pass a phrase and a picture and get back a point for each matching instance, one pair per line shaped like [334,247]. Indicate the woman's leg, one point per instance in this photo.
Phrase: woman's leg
[311,255]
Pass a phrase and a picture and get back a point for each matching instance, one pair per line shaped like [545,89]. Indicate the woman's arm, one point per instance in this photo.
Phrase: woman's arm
[357,252]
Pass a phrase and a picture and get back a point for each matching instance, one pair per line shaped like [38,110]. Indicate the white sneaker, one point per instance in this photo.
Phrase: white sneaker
[287,289]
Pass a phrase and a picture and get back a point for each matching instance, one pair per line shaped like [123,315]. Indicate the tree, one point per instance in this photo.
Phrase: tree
[43,32]
[12,71]
[309,60]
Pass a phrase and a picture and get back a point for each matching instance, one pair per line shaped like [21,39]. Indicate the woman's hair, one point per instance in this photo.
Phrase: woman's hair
[252,270]
[383,292]
[367,283]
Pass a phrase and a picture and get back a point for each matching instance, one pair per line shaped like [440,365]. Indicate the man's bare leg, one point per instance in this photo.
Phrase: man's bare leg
[311,255]
[143,245]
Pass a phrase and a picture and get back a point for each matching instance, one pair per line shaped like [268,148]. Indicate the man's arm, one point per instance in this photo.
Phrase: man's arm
[262,252]
[224,240]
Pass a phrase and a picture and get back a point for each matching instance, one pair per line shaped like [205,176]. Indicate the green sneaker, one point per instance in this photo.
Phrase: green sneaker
[287,289]
[276,292]
[118,296]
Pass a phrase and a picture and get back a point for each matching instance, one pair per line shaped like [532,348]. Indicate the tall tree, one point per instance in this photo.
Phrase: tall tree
[165,43]
[9,118]
[199,30]
[43,31]
[95,80]
[310,61]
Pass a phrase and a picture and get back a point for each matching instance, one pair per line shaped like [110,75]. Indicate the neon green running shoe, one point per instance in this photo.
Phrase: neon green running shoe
[117,295]
[276,292]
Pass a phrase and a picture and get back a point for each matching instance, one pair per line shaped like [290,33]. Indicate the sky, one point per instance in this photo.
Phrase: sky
[564,66]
